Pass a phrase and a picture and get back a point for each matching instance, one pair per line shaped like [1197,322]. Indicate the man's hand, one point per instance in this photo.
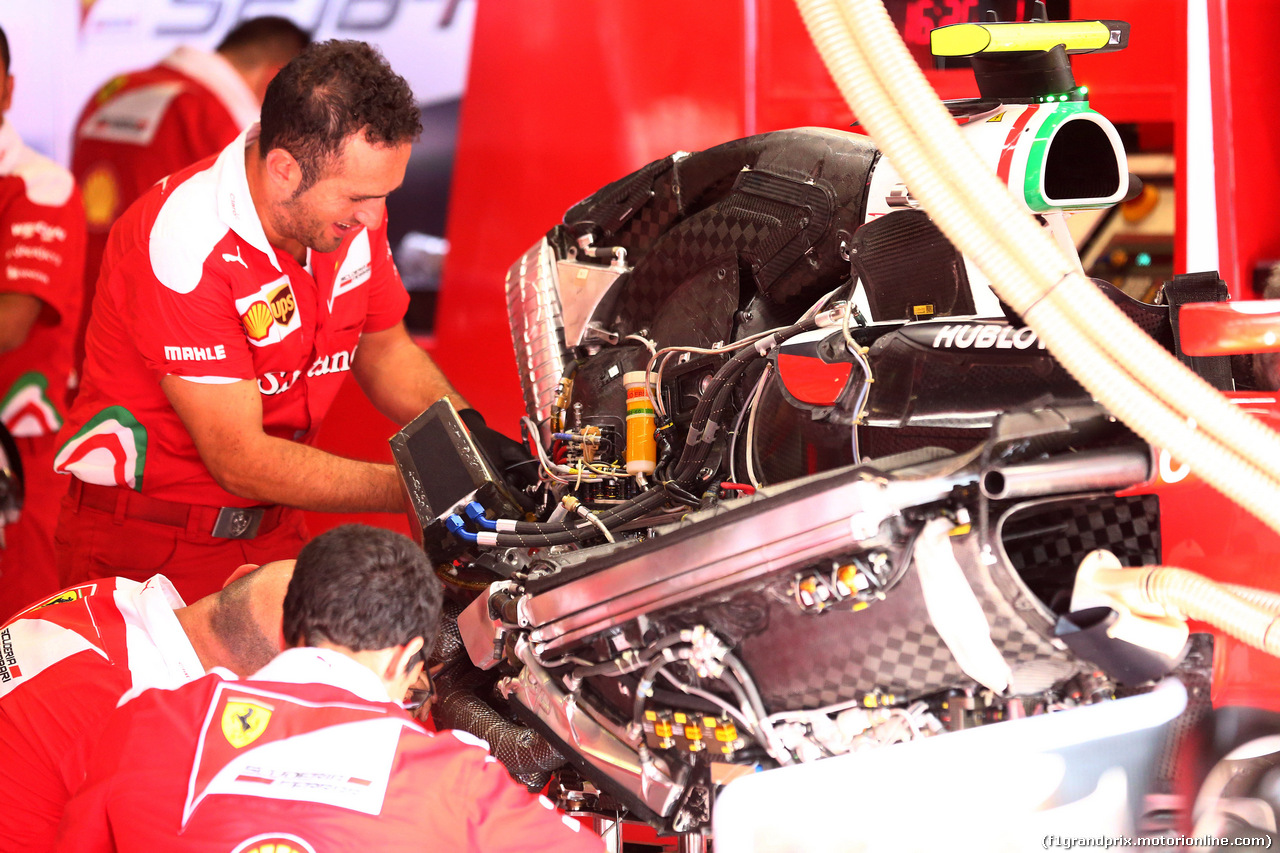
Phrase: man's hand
[509,456]
[225,422]
[18,313]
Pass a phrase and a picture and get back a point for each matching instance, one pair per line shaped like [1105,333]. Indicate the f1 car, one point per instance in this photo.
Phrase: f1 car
[806,485]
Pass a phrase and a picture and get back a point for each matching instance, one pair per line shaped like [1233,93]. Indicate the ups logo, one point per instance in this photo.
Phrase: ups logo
[279,307]
[282,306]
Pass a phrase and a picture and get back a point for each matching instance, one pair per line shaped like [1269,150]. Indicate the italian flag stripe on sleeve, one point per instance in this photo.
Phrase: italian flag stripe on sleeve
[109,450]
[27,411]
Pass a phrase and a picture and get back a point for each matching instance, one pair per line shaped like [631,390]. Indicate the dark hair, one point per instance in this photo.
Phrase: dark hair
[232,621]
[266,39]
[4,50]
[328,93]
[362,588]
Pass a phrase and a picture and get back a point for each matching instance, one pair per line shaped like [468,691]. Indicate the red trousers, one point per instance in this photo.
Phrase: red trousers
[28,571]
[93,543]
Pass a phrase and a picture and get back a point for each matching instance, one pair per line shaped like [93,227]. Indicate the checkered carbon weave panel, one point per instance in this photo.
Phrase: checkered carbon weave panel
[651,221]
[1045,541]
[808,660]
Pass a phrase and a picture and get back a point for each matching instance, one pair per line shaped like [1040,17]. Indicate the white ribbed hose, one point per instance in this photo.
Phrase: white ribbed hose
[1121,367]
[1244,613]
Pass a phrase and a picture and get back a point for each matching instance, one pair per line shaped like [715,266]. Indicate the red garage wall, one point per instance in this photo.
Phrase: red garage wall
[1242,36]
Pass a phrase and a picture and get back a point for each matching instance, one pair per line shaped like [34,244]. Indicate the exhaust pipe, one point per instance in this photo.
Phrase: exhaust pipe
[1093,470]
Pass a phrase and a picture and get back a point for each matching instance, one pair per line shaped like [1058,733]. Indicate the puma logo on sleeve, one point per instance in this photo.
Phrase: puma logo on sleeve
[235,259]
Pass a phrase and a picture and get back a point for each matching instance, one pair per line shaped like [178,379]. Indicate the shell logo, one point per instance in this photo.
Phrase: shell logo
[274,843]
[270,313]
[257,320]
[101,197]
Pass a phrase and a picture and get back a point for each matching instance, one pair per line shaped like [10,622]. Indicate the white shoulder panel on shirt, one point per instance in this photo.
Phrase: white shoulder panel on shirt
[133,117]
[47,183]
[347,765]
[186,231]
[33,645]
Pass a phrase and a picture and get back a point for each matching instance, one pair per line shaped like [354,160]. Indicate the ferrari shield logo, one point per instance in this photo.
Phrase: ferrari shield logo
[243,722]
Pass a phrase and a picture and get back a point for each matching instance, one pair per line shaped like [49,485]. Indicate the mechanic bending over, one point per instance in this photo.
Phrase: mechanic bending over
[234,299]
[65,663]
[314,751]
[42,243]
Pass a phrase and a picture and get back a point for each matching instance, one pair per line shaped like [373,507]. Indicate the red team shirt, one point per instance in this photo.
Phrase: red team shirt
[191,287]
[144,125]
[64,664]
[42,236]
[308,756]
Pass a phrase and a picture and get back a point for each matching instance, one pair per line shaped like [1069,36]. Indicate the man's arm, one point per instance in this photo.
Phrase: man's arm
[42,244]
[18,313]
[398,376]
[225,421]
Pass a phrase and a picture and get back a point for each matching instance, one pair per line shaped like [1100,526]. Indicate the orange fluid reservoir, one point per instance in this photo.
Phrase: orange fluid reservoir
[642,447]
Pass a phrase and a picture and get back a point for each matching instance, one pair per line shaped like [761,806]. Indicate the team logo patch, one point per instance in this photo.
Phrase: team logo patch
[115,84]
[271,314]
[75,593]
[274,843]
[243,722]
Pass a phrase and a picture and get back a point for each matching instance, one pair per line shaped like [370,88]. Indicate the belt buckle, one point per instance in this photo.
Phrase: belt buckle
[236,522]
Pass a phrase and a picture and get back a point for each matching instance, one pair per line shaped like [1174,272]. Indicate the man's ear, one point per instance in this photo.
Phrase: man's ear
[402,662]
[239,573]
[283,171]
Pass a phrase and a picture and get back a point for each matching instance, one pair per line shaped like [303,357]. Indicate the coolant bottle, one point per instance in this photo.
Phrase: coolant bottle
[642,447]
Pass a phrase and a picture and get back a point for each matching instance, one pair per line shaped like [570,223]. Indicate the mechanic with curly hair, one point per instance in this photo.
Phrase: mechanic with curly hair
[235,298]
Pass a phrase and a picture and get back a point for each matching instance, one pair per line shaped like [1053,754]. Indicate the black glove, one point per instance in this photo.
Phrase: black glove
[508,457]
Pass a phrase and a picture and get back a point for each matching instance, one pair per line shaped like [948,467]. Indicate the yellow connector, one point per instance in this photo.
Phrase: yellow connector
[1076,36]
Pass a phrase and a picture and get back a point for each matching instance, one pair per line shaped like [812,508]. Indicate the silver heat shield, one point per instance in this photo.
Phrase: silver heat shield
[654,784]
[763,536]
[537,327]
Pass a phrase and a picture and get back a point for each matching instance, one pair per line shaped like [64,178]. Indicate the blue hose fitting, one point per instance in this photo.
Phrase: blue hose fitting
[458,527]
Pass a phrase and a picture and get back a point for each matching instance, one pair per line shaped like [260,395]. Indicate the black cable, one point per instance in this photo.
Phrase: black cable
[707,414]
[571,534]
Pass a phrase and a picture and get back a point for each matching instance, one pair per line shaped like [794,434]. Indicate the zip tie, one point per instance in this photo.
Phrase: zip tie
[703,436]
